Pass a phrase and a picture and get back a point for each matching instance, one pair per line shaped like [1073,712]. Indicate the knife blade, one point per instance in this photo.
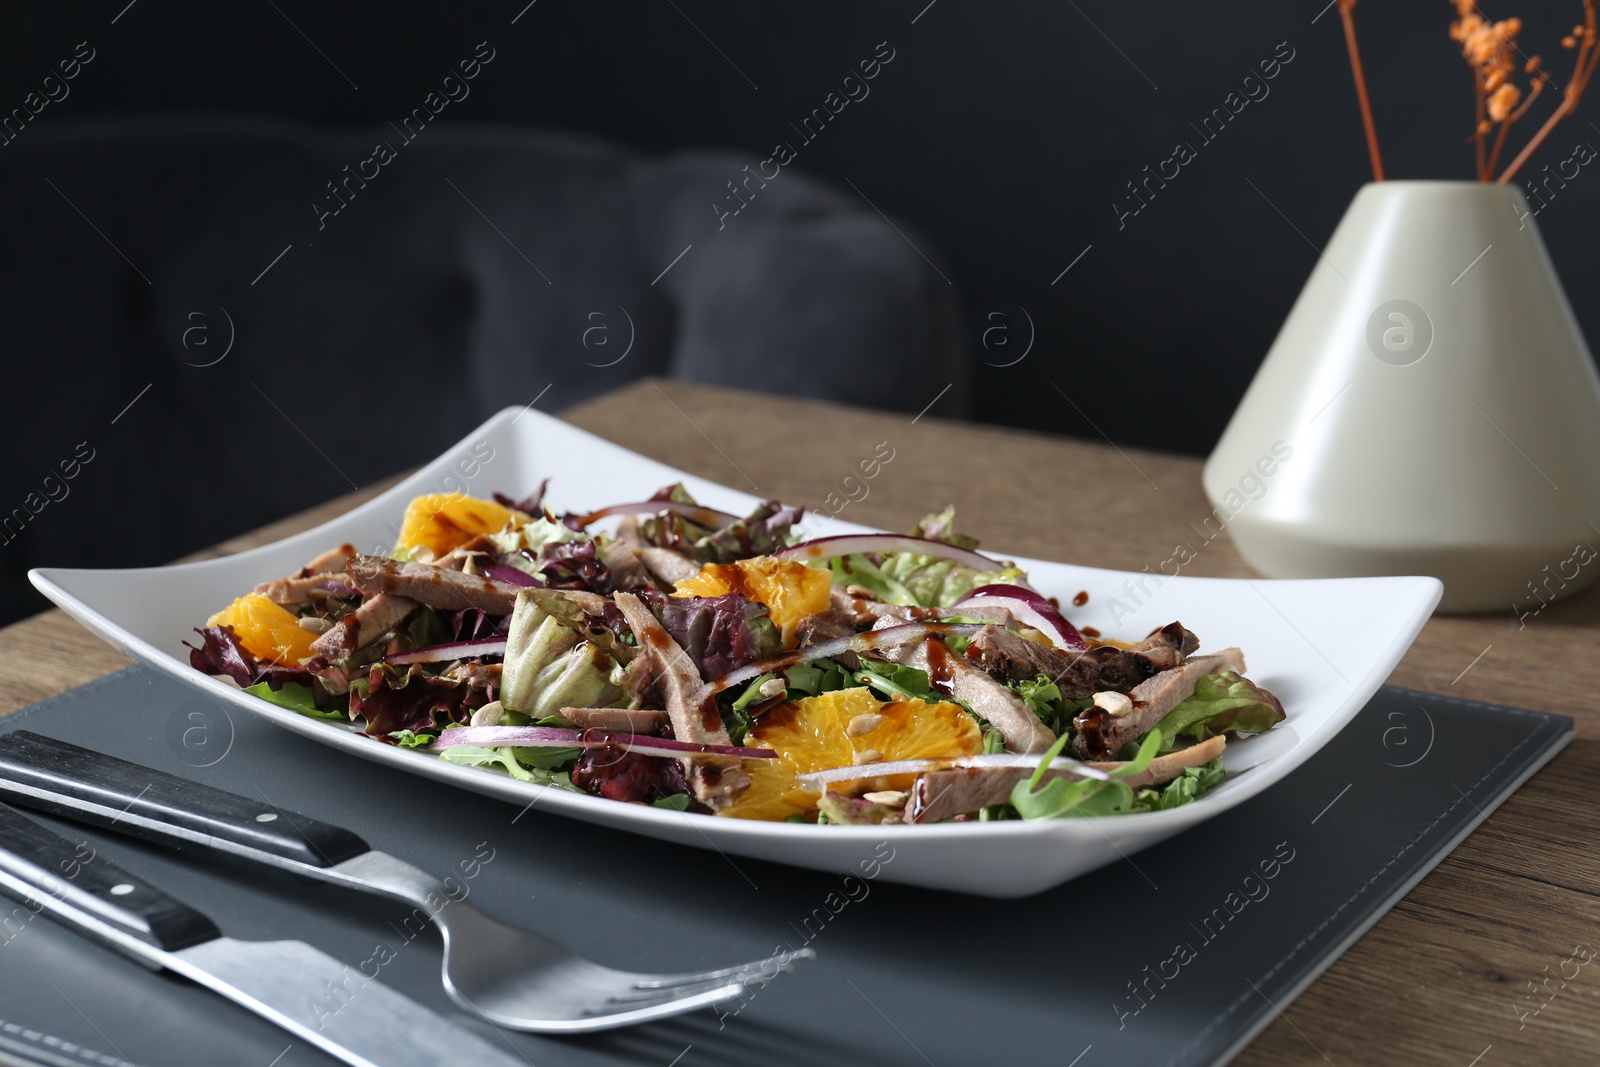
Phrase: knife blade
[314,996]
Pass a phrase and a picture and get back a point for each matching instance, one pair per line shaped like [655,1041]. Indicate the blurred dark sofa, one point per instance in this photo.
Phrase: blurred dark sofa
[212,324]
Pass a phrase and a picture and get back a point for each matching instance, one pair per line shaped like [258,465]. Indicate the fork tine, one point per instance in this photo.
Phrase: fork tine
[736,973]
[645,996]
[676,1001]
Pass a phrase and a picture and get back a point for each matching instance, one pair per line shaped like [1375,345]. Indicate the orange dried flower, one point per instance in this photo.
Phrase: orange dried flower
[1502,101]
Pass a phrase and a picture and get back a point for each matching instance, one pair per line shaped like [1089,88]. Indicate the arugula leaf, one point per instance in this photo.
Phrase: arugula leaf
[818,676]
[738,724]
[677,802]
[297,697]
[752,692]
[1188,787]
[407,739]
[545,759]
[1064,797]
[897,682]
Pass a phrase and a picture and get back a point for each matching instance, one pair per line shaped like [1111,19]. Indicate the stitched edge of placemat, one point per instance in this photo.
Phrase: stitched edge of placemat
[1544,719]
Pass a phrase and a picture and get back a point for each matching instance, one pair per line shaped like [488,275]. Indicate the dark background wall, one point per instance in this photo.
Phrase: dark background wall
[1003,132]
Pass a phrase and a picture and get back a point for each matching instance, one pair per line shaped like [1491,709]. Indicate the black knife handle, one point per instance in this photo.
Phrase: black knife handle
[85,786]
[45,870]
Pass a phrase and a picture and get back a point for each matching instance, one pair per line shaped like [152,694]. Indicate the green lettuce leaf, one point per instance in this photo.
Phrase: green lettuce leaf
[549,667]
[1221,702]
[533,536]
[939,583]
[941,526]
[299,698]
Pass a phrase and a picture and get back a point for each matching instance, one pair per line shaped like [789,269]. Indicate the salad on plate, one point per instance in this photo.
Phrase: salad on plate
[662,652]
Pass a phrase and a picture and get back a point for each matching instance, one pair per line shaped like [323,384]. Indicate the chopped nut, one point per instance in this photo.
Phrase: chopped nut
[1115,704]
[893,798]
[773,687]
[315,625]
[864,723]
[870,755]
[488,715]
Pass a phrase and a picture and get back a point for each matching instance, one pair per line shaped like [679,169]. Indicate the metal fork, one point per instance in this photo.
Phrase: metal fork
[510,976]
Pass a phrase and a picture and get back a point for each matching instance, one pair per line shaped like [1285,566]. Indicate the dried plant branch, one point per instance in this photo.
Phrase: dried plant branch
[1582,38]
[1478,130]
[1347,15]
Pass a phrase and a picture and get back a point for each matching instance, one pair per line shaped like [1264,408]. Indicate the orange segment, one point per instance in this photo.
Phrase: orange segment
[814,734]
[913,730]
[790,590]
[442,521]
[268,632]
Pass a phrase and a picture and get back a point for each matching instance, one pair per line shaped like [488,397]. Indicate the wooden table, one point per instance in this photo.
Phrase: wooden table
[1440,979]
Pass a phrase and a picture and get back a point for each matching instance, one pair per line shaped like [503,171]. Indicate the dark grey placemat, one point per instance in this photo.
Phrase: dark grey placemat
[1177,956]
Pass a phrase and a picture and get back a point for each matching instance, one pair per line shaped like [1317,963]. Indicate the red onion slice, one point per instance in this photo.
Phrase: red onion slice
[710,518]
[454,650]
[887,637]
[816,779]
[505,572]
[849,544]
[1030,609]
[558,737]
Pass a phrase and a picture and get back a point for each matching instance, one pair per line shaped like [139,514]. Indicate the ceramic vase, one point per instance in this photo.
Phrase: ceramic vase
[1429,407]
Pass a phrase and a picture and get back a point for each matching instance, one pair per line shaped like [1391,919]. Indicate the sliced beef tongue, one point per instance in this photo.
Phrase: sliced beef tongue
[437,587]
[621,720]
[293,592]
[1009,657]
[1101,733]
[666,565]
[627,570]
[941,795]
[335,559]
[953,676]
[863,609]
[694,717]
[377,615]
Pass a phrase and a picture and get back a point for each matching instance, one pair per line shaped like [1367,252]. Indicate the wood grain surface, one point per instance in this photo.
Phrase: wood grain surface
[1444,978]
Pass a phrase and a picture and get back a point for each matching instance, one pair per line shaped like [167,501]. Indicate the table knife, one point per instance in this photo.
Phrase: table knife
[324,1002]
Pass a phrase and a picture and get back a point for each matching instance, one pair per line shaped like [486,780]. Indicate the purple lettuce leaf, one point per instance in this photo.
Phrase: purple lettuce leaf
[720,633]
[394,699]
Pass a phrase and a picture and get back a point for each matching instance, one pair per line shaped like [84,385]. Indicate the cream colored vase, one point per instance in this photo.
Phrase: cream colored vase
[1429,407]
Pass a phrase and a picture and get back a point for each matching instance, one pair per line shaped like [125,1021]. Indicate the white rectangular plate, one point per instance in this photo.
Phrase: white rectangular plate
[1324,647]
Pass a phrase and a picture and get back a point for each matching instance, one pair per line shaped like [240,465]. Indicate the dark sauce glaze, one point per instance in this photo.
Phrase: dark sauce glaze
[1081,599]
[940,671]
